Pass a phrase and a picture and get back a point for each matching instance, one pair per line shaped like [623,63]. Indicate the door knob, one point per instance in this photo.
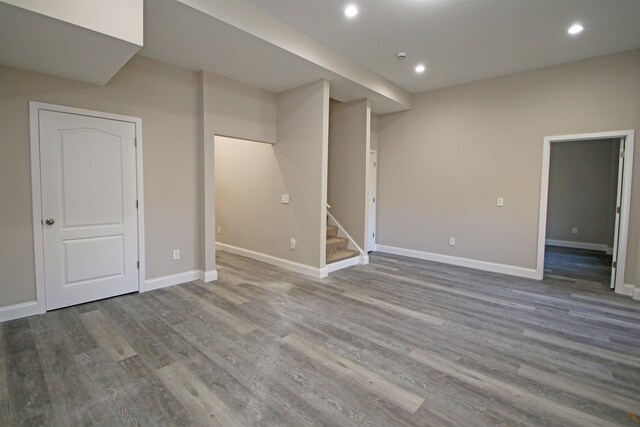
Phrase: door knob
[50,221]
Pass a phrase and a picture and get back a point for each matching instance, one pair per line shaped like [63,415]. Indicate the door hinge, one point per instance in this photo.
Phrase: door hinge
[622,154]
[615,264]
[136,204]
[135,141]
[374,200]
[138,264]
[374,234]
[375,164]
[618,209]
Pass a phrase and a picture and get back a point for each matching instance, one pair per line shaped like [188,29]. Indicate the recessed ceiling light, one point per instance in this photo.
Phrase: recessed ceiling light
[575,29]
[351,11]
[420,68]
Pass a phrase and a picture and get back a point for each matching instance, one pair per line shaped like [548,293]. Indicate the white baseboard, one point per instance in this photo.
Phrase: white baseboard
[627,290]
[580,245]
[339,265]
[21,310]
[318,273]
[349,262]
[529,273]
[636,293]
[18,311]
[209,276]
[176,279]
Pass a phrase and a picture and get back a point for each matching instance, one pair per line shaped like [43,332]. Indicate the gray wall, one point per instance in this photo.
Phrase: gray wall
[251,176]
[374,131]
[165,97]
[248,188]
[582,191]
[443,163]
[301,152]
[349,144]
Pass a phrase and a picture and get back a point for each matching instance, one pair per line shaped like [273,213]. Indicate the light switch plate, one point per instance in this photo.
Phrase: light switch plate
[500,201]
[574,230]
[176,254]
[284,199]
[452,241]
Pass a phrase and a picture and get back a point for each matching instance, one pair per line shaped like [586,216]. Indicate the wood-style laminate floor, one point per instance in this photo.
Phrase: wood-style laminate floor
[583,264]
[396,342]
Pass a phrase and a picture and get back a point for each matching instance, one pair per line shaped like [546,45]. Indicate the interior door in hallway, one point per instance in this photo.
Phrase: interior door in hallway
[89,224]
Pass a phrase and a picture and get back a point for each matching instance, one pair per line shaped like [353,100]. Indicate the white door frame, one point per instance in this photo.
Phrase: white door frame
[36,190]
[375,205]
[625,209]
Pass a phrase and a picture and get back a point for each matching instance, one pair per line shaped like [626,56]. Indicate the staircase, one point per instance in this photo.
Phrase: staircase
[337,247]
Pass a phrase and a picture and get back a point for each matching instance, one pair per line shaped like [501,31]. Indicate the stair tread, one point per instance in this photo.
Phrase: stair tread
[335,239]
[340,255]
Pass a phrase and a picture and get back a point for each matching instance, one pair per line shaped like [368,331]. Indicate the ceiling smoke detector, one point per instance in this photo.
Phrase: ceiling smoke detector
[401,55]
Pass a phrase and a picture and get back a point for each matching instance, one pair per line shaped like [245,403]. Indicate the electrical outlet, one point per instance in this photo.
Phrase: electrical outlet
[176,254]
[574,230]
[284,199]
[219,230]
[293,244]
[452,241]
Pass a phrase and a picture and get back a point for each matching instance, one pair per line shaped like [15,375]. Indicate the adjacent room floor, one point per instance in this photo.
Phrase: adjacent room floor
[396,342]
[581,264]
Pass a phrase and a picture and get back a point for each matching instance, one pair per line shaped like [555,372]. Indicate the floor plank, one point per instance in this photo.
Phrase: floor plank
[107,336]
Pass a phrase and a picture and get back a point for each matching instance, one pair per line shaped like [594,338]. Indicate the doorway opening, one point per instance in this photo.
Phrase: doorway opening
[584,207]
[252,201]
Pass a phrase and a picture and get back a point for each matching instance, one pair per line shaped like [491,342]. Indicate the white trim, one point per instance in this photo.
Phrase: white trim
[179,278]
[579,245]
[18,311]
[36,198]
[209,276]
[627,289]
[512,270]
[36,189]
[349,262]
[339,265]
[341,228]
[173,279]
[364,259]
[636,293]
[625,204]
[278,262]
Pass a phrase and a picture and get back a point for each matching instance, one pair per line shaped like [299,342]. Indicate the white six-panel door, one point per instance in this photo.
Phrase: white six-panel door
[88,181]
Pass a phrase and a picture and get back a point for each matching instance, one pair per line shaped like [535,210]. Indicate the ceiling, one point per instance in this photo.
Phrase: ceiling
[33,41]
[280,44]
[194,36]
[462,40]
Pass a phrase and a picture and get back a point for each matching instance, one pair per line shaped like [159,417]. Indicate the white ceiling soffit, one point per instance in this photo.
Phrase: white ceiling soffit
[35,42]
[462,40]
[121,19]
[238,41]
